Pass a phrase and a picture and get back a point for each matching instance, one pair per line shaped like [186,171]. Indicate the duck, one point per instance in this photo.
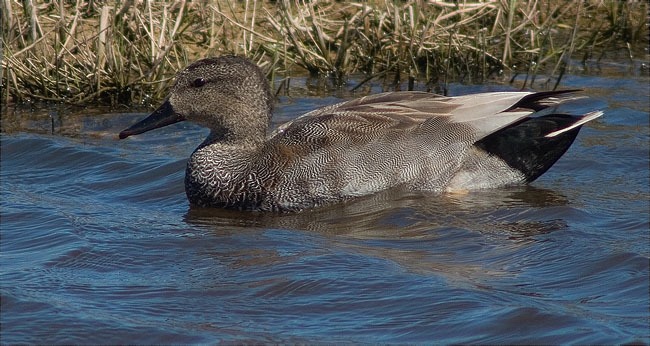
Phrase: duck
[415,140]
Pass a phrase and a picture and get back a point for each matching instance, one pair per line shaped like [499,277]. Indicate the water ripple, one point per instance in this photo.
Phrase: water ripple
[99,245]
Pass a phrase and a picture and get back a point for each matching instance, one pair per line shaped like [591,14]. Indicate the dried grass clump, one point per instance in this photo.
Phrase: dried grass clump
[90,51]
[126,52]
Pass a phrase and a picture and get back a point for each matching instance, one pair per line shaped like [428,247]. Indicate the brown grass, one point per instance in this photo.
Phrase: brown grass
[127,52]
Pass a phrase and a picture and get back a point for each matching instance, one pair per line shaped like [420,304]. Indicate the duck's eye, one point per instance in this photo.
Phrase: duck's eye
[199,82]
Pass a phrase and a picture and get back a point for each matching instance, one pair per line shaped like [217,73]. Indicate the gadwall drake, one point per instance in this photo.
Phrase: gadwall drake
[417,140]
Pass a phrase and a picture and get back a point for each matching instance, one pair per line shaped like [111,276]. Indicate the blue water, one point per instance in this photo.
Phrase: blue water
[99,245]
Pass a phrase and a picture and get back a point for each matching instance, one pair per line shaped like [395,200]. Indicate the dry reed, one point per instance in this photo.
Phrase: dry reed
[126,52]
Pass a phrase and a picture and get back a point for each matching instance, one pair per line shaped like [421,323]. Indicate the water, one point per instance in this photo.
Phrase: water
[99,244]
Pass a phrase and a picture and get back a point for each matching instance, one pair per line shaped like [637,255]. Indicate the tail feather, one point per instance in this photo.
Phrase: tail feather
[543,99]
[585,119]
[533,145]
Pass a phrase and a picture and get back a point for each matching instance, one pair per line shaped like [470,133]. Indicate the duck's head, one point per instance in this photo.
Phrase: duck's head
[229,95]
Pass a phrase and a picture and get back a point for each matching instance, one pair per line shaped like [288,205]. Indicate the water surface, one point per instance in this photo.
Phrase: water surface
[99,244]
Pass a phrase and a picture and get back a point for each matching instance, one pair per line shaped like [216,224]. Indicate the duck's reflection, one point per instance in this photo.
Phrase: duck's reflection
[458,236]
[521,210]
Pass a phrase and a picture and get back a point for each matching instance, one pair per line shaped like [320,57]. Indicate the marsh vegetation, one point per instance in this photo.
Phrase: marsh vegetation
[126,52]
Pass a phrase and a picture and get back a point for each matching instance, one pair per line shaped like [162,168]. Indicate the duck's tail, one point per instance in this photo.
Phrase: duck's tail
[533,145]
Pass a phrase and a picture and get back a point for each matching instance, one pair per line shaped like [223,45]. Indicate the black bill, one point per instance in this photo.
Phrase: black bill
[162,116]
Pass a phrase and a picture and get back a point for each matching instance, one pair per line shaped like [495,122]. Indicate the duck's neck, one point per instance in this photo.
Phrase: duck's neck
[221,172]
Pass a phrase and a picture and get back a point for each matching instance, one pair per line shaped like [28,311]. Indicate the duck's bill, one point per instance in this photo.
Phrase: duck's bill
[162,116]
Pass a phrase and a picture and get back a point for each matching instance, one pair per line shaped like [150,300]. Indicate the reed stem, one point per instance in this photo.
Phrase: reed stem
[80,51]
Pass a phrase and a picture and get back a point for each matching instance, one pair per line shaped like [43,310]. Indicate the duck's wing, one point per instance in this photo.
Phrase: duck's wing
[366,114]
[375,115]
